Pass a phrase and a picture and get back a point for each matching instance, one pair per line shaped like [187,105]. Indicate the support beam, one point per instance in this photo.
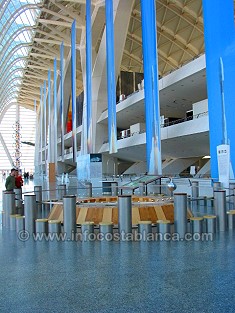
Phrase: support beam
[80,21]
[38,67]
[61,16]
[57,23]
[53,53]
[53,42]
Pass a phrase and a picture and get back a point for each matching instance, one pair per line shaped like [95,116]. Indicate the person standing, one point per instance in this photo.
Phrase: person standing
[18,179]
[10,181]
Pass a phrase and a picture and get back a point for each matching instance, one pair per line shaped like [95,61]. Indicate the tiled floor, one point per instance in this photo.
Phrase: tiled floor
[46,277]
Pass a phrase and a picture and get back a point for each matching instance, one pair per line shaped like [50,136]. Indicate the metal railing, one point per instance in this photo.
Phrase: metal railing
[178,121]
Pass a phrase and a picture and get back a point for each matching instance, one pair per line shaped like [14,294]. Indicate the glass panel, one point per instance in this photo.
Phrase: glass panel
[16,20]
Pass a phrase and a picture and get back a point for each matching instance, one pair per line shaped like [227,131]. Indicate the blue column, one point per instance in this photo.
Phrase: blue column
[55,110]
[152,107]
[88,75]
[220,72]
[41,123]
[111,83]
[62,99]
[49,115]
[45,119]
[37,137]
[73,81]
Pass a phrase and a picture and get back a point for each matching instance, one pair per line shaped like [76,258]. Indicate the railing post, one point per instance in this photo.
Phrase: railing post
[210,221]
[89,189]
[38,193]
[61,191]
[180,214]
[114,188]
[30,207]
[142,189]
[124,215]
[10,208]
[220,209]
[195,194]
[69,216]
[18,200]
[54,226]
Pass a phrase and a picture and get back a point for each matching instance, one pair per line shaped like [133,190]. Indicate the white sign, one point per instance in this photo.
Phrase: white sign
[223,156]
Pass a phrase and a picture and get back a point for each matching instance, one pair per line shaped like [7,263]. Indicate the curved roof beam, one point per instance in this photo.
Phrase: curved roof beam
[4,5]
[12,38]
[10,96]
[11,65]
[18,47]
[10,87]
[4,110]
[16,14]
[15,70]
[7,89]
[13,52]
[15,78]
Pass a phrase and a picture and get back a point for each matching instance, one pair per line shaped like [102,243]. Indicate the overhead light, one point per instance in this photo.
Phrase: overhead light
[206,157]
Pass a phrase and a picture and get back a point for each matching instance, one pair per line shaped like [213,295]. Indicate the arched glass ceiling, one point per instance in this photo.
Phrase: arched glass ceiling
[17,21]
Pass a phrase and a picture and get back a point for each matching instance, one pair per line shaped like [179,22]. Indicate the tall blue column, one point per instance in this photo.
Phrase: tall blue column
[152,107]
[55,110]
[88,75]
[220,71]
[111,84]
[45,120]
[62,99]
[37,137]
[73,83]
[41,124]
[49,115]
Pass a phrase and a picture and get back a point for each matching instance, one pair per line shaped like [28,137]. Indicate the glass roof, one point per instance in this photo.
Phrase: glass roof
[17,28]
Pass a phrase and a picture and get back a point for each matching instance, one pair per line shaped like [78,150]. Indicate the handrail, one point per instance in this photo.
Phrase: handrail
[181,120]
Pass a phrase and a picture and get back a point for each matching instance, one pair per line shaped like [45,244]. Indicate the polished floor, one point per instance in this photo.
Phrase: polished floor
[118,277]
